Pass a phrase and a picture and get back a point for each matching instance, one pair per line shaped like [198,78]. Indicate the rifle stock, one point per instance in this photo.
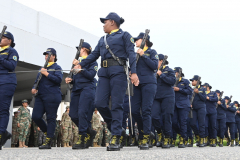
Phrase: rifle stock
[220,98]
[2,33]
[163,63]
[192,98]
[178,77]
[143,41]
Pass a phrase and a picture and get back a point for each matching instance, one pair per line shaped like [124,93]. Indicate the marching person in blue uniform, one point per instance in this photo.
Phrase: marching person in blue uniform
[8,82]
[82,96]
[112,77]
[163,104]
[48,97]
[145,92]
[199,111]
[230,118]
[211,115]
[182,107]
[221,118]
[237,124]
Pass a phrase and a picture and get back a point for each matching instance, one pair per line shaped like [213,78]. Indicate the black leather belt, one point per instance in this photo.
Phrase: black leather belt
[111,62]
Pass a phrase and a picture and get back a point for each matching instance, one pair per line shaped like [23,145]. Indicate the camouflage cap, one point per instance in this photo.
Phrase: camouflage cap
[67,107]
[95,109]
[24,101]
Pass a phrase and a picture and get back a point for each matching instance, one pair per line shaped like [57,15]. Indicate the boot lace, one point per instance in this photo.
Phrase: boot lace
[121,139]
[87,138]
[79,139]
[46,142]
[145,139]
[133,140]
[201,142]
[114,139]
[190,141]
[166,141]
[181,141]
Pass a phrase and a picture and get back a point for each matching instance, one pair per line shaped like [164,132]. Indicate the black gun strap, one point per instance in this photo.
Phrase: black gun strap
[110,51]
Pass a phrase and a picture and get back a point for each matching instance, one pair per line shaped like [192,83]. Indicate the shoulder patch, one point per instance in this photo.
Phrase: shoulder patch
[96,68]
[156,56]
[15,58]
[132,40]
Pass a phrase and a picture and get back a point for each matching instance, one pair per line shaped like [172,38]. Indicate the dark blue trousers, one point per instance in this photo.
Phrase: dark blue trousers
[114,86]
[231,127]
[237,129]
[125,112]
[199,116]
[162,113]
[48,104]
[141,103]
[6,94]
[210,126]
[80,106]
[174,134]
[189,129]
[180,121]
[221,125]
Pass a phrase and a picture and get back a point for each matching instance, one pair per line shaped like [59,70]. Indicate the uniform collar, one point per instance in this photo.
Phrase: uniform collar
[3,48]
[199,86]
[81,58]
[180,79]
[145,48]
[113,31]
[207,92]
[50,64]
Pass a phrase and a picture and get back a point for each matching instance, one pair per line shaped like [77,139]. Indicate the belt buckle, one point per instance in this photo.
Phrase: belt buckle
[105,63]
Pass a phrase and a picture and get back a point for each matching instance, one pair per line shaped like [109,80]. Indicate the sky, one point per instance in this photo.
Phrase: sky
[202,37]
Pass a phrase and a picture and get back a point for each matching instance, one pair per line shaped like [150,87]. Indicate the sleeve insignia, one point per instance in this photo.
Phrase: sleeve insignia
[156,56]
[96,68]
[15,58]
[132,40]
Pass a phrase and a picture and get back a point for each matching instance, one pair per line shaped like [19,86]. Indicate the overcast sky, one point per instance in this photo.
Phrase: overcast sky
[202,37]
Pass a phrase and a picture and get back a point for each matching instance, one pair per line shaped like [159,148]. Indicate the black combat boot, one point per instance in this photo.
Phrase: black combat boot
[46,144]
[114,144]
[133,141]
[90,136]
[145,142]
[197,140]
[181,142]
[3,138]
[190,144]
[220,142]
[232,143]
[206,142]
[159,141]
[236,141]
[211,143]
[201,144]
[214,144]
[151,138]
[228,141]
[139,143]
[122,140]
[166,142]
[172,143]
[81,143]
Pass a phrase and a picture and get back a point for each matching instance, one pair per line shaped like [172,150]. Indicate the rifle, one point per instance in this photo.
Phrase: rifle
[143,41]
[193,95]
[69,86]
[163,62]
[38,80]
[229,100]
[2,33]
[220,98]
[178,77]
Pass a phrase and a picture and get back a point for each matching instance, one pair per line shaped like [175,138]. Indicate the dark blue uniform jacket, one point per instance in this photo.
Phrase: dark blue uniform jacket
[221,110]
[199,99]
[52,83]
[211,103]
[165,83]
[8,61]
[230,113]
[146,66]
[182,96]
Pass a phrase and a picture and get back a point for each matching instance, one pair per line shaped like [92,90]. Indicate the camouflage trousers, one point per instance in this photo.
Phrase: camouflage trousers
[15,136]
[54,141]
[75,135]
[67,133]
[97,137]
[27,137]
[23,131]
[108,136]
[36,138]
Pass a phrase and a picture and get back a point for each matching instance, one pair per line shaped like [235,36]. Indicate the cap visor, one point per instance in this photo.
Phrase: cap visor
[103,19]
[135,39]
[191,79]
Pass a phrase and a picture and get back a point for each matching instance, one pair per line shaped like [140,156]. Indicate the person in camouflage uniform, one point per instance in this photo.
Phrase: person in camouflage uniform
[67,127]
[75,132]
[108,134]
[36,130]
[56,133]
[15,129]
[24,120]
[100,141]
[28,135]
[97,126]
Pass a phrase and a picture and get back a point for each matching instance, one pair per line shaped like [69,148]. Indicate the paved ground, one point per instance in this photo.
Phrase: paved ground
[126,153]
